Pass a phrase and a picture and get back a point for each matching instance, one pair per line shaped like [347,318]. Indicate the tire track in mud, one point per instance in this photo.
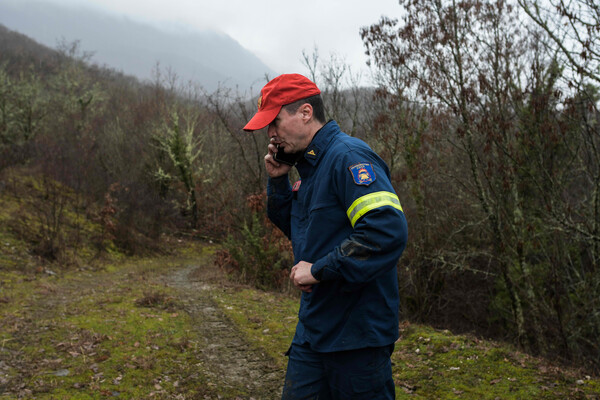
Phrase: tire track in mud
[225,356]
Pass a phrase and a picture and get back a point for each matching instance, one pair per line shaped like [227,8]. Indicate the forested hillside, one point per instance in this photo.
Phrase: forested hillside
[212,58]
[487,114]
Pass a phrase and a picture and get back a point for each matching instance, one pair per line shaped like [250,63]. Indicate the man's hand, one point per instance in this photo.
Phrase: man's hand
[274,168]
[301,276]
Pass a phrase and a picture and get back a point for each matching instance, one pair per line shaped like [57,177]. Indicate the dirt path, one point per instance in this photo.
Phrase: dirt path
[226,357]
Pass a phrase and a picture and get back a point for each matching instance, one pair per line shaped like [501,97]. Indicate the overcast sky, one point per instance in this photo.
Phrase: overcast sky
[275,31]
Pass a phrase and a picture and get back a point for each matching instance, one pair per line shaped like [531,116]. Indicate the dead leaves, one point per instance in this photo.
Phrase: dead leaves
[158,300]
[83,343]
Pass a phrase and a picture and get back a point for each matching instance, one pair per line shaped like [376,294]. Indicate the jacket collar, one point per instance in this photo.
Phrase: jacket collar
[320,142]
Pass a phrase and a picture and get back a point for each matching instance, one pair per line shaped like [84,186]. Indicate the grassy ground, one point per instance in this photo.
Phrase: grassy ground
[121,332]
[428,364]
[93,334]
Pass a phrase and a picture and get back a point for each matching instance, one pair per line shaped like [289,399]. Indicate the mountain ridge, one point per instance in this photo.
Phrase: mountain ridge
[209,58]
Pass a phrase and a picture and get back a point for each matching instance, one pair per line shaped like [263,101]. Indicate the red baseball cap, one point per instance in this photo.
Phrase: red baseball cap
[283,90]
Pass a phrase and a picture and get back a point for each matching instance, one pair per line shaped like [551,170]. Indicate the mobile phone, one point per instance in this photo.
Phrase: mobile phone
[285,158]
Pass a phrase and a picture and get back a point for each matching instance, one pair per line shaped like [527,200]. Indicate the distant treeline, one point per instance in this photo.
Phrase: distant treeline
[486,113]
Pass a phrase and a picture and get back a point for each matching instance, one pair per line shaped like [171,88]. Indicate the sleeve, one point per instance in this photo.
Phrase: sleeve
[279,203]
[379,228]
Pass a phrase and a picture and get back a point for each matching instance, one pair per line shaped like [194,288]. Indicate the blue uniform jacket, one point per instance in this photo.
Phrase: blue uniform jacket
[345,218]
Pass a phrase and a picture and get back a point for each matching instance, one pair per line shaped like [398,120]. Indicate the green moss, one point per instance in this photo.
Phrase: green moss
[431,364]
[14,253]
[427,363]
[119,329]
[85,336]
[267,319]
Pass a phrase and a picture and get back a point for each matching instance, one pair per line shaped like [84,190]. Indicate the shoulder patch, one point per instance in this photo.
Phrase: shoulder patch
[363,173]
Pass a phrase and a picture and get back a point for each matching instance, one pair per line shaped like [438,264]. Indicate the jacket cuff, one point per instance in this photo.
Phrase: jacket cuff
[278,185]
[322,272]
[317,271]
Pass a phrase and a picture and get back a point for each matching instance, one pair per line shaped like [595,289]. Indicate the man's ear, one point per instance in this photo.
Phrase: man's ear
[306,111]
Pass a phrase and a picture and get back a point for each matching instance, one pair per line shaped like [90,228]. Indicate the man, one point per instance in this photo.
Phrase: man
[348,231]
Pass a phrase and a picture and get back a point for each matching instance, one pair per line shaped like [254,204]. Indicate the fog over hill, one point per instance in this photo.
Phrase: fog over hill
[209,58]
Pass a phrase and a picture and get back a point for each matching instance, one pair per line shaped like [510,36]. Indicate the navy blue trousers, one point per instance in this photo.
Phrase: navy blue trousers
[343,375]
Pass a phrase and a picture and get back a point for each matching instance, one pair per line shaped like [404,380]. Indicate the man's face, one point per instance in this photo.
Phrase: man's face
[289,131]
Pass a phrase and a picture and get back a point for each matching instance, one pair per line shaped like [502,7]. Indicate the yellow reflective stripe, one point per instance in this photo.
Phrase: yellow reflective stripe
[371,201]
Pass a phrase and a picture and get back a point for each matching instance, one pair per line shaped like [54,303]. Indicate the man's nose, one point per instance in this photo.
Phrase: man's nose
[271,131]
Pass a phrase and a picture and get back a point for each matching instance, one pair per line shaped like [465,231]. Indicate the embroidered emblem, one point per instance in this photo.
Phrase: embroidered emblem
[296,186]
[259,102]
[362,173]
[312,153]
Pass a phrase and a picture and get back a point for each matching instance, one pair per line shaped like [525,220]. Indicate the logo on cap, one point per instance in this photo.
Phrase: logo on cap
[259,102]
